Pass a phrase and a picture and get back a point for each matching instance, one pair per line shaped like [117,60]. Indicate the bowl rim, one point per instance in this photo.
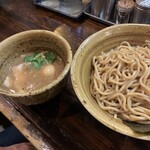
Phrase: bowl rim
[59,78]
[141,136]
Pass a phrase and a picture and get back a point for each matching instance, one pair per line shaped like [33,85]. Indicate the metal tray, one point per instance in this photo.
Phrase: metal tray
[54,5]
[87,11]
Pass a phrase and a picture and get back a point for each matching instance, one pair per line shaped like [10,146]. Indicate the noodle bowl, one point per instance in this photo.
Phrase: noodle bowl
[120,82]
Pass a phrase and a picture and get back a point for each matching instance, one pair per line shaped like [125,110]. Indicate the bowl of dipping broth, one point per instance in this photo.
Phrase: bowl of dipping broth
[110,76]
[34,66]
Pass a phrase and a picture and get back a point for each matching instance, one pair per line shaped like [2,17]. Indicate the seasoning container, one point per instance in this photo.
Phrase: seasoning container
[102,8]
[141,13]
[123,11]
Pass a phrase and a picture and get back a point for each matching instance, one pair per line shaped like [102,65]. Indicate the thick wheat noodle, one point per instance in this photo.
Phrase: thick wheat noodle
[120,82]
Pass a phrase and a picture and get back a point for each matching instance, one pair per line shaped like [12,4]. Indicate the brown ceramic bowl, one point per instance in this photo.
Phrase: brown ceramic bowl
[104,40]
[30,41]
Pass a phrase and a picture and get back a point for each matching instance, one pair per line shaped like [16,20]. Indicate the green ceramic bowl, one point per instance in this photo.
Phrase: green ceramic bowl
[104,40]
[32,40]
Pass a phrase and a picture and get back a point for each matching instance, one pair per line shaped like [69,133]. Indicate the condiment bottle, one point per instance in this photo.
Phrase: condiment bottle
[141,13]
[123,11]
[102,8]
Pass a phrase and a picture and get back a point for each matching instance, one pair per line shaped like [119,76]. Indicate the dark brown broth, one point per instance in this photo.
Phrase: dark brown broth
[23,77]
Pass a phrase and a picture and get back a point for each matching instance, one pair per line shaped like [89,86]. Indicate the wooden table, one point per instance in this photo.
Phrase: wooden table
[62,123]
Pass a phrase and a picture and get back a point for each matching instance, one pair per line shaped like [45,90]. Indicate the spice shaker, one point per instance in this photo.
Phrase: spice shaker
[123,11]
[141,13]
[102,8]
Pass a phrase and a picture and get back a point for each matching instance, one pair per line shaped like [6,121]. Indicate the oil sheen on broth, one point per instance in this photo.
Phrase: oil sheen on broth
[24,77]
